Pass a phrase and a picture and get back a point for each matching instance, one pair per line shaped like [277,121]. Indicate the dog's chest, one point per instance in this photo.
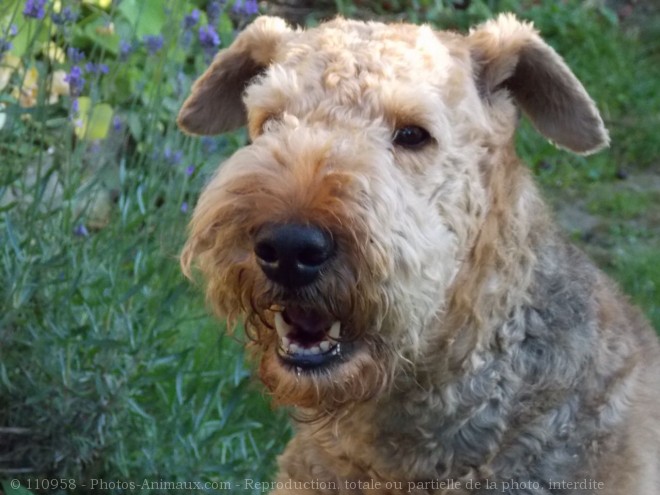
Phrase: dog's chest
[424,435]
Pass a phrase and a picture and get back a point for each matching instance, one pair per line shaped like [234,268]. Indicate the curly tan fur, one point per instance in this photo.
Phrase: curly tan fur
[487,354]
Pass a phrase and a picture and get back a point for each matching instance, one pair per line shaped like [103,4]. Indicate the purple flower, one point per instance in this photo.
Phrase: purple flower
[76,56]
[209,145]
[65,16]
[76,81]
[34,9]
[213,11]
[191,19]
[172,157]
[116,123]
[251,7]
[93,68]
[188,23]
[181,83]
[125,49]
[184,207]
[81,230]
[190,169]
[154,43]
[208,37]
[186,38]
[246,7]
[5,45]
[75,108]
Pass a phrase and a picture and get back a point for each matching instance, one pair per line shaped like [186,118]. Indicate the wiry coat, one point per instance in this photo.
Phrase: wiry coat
[485,349]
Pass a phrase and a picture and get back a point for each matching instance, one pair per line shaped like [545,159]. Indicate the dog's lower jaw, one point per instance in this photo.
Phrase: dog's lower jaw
[356,376]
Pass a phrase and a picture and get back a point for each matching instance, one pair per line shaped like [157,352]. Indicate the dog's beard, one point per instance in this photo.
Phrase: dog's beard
[360,376]
[315,351]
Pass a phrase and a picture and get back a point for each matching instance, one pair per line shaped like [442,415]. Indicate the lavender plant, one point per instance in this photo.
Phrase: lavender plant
[108,365]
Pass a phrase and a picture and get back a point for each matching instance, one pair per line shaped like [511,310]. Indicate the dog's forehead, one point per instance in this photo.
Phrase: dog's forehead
[364,69]
[384,50]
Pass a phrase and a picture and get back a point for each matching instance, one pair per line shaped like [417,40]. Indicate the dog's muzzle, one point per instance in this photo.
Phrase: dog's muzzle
[293,256]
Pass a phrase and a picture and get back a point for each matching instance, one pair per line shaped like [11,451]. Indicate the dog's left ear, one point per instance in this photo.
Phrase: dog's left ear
[216,101]
[510,55]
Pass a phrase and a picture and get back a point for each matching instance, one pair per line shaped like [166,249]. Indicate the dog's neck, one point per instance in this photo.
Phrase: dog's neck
[515,220]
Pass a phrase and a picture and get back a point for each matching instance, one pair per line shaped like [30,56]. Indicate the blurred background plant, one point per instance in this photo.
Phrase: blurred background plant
[109,367]
[109,364]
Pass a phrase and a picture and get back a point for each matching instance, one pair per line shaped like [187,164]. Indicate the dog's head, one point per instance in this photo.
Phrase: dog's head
[347,236]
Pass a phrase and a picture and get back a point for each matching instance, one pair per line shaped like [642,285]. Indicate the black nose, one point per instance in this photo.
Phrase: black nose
[292,254]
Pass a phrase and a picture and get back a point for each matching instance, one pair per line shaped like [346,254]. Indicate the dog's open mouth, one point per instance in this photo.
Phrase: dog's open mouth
[308,338]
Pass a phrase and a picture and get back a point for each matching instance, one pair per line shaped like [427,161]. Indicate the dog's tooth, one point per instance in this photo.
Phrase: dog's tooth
[285,342]
[314,350]
[281,326]
[294,349]
[324,346]
[335,330]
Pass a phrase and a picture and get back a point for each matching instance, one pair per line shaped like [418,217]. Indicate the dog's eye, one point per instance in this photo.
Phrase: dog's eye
[411,136]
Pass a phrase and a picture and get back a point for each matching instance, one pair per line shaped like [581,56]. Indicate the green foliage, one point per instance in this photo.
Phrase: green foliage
[638,270]
[625,205]
[109,364]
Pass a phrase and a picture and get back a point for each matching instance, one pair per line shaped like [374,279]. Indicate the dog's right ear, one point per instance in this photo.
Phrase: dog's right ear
[215,104]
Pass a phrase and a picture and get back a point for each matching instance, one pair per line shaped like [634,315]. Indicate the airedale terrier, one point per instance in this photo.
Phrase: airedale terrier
[398,273]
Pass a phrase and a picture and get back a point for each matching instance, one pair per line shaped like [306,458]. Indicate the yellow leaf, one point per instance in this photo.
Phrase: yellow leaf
[54,52]
[31,78]
[104,4]
[92,122]
[8,65]
[27,93]
[58,86]
[106,30]
[3,115]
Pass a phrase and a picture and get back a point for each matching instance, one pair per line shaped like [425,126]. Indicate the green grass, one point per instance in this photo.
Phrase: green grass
[638,271]
[110,366]
[624,205]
